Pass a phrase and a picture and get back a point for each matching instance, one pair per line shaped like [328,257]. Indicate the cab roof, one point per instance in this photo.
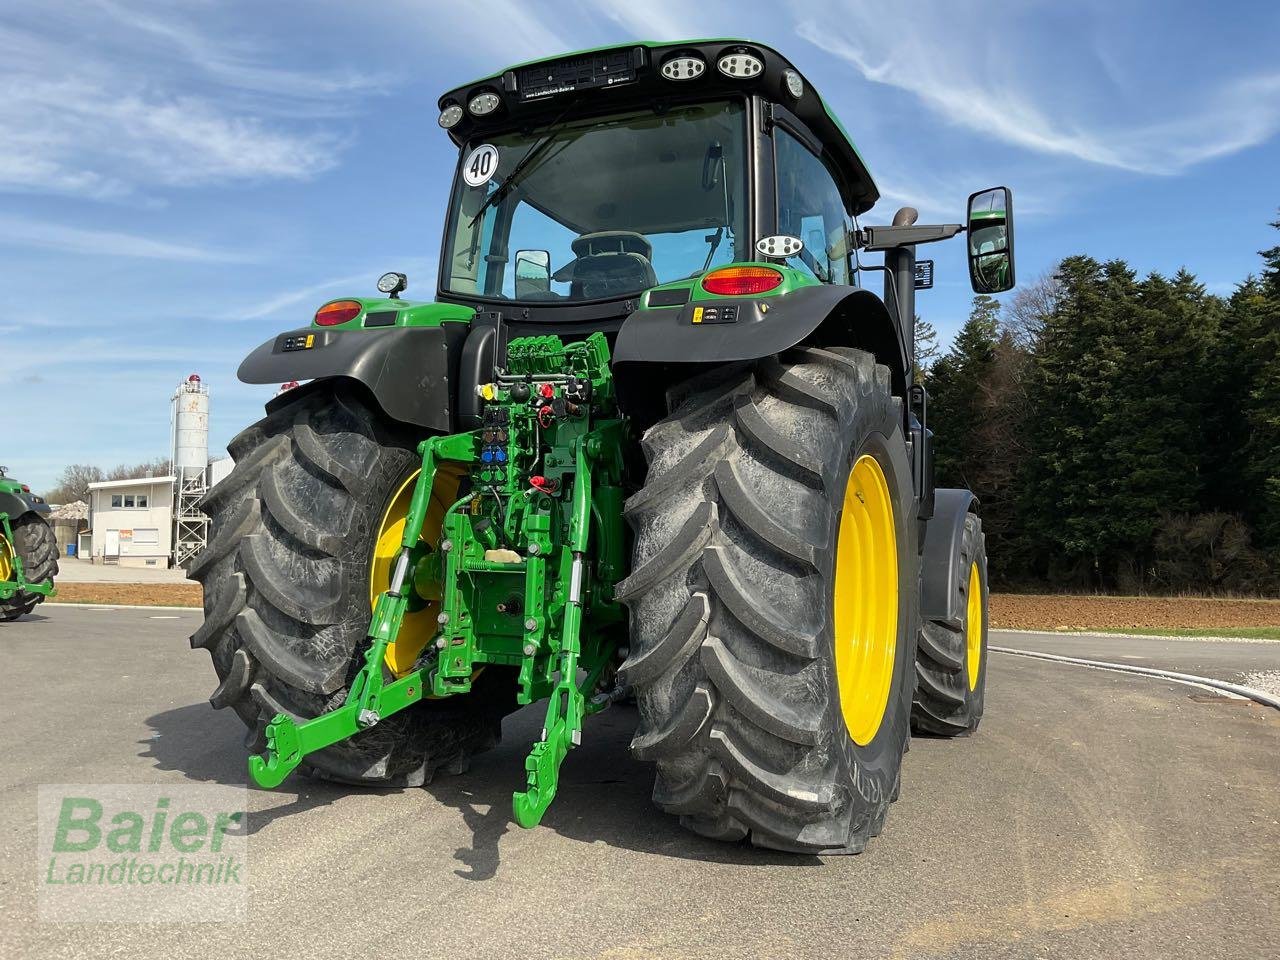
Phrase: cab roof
[624,76]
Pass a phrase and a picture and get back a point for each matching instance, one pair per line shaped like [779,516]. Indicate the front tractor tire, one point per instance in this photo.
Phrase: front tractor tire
[294,542]
[37,547]
[951,656]
[773,603]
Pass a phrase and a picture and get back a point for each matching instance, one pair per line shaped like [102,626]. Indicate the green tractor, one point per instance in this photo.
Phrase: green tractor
[28,549]
[654,440]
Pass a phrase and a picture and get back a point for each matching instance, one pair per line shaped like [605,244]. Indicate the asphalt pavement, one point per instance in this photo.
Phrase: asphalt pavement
[75,570]
[1219,659]
[1095,814]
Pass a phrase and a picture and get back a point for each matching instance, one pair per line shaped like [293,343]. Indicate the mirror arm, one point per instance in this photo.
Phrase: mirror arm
[889,238]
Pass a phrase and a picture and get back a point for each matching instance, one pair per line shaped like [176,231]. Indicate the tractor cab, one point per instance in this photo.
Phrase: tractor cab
[584,181]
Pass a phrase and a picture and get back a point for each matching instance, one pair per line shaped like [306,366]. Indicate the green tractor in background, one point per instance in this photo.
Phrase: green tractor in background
[28,550]
[653,439]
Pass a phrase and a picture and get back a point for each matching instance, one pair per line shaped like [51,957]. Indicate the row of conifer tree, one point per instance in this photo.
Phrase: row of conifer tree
[1122,432]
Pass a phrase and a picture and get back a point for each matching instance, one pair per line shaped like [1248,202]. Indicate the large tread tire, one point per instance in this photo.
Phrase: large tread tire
[945,703]
[34,542]
[732,641]
[286,588]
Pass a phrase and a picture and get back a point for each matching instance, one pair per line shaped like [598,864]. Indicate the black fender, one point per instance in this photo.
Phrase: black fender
[18,504]
[411,372]
[940,564]
[824,314]
[764,326]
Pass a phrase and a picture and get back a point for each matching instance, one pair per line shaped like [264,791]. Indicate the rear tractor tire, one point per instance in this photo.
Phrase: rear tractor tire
[773,602]
[35,544]
[299,531]
[951,656]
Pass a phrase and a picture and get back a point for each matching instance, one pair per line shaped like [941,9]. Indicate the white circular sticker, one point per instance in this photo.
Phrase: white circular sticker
[481,164]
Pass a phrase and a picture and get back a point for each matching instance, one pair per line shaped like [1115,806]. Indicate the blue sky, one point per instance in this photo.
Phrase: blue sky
[179,181]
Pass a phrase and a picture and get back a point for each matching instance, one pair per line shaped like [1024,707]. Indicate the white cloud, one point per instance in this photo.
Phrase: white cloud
[992,82]
[74,136]
[495,34]
[934,203]
[105,101]
[22,232]
[420,269]
[292,298]
[654,20]
[235,62]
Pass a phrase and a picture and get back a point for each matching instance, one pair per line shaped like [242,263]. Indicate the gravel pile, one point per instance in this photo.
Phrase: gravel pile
[1268,681]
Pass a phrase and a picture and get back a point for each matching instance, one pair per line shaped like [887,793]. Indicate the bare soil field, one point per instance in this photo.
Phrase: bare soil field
[1009,611]
[139,594]
[1050,612]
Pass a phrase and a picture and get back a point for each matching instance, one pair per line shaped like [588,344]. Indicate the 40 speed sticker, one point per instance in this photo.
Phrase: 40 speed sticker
[480,166]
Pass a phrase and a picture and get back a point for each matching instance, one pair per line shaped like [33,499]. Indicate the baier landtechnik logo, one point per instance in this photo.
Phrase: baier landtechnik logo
[142,853]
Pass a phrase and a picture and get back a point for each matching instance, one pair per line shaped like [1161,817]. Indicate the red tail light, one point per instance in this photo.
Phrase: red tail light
[741,281]
[340,311]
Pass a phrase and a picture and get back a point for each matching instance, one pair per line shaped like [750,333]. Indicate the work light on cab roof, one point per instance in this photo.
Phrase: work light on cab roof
[683,67]
[740,64]
[450,116]
[483,104]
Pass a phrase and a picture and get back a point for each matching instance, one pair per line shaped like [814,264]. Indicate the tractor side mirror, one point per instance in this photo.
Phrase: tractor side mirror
[990,233]
[533,272]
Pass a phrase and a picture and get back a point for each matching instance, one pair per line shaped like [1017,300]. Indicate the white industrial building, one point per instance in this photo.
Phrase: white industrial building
[153,521]
[131,522]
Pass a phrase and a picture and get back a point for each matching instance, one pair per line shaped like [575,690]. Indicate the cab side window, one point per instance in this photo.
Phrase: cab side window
[810,207]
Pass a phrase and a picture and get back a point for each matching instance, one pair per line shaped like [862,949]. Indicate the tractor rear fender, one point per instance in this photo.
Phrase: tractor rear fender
[940,565]
[410,372]
[821,315]
[17,504]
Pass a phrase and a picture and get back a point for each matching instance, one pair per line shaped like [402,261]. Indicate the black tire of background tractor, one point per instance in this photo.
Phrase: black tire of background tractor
[34,542]
[732,648]
[944,705]
[286,589]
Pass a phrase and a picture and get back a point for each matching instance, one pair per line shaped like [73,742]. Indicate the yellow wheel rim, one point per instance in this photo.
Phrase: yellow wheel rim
[865,600]
[419,626]
[6,559]
[973,626]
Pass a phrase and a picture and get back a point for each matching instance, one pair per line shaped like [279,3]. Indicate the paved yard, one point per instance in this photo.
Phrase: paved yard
[75,570]
[1094,815]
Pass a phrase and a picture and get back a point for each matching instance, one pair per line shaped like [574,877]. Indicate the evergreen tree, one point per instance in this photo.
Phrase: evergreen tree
[1234,365]
[926,348]
[1156,441]
[955,385]
[1120,432]
[1063,492]
[1121,403]
[1261,407]
[999,451]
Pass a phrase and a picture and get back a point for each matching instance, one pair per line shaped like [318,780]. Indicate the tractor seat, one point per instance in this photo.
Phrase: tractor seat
[612,275]
[609,263]
[612,241]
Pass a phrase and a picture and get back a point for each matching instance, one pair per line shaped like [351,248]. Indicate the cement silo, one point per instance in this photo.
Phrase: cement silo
[190,420]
